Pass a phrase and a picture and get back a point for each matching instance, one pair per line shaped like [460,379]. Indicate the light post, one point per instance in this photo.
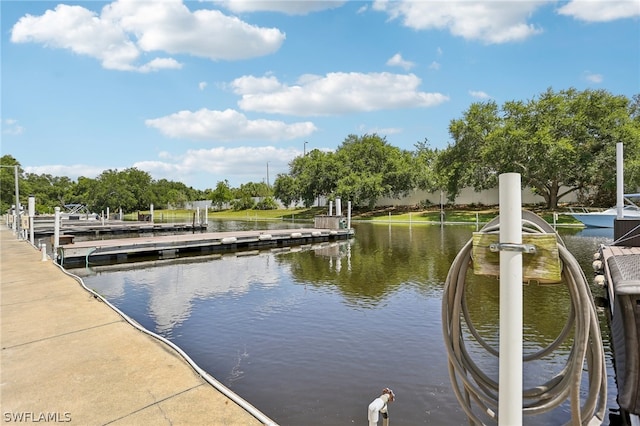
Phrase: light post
[268,175]
[304,150]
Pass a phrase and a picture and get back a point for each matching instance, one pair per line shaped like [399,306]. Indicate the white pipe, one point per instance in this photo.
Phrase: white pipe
[338,207]
[151,211]
[17,224]
[510,364]
[348,214]
[43,249]
[56,232]
[330,208]
[619,180]
[32,211]
[377,406]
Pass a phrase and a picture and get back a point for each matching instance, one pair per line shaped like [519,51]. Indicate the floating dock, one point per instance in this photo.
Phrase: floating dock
[97,228]
[621,268]
[171,246]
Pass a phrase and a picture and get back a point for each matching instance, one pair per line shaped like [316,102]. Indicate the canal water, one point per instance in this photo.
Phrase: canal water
[312,334]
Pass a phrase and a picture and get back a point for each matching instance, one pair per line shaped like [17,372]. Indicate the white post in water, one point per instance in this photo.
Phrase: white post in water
[56,232]
[151,212]
[348,214]
[330,208]
[619,180]
[338,207]
[510,364]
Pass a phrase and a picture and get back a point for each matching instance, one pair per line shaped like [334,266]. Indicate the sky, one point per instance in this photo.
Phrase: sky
[205,91]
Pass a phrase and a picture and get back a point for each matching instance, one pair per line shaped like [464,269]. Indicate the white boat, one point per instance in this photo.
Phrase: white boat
[604,219]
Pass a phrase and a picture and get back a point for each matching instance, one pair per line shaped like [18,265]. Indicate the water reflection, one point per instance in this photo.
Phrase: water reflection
[330,325]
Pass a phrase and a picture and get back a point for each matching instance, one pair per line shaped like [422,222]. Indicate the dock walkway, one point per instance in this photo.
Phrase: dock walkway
[622,277]
[68,357]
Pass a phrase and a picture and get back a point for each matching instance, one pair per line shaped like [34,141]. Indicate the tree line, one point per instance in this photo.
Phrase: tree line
[560,142]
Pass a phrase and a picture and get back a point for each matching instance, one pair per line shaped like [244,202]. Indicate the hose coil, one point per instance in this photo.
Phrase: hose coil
[470,383]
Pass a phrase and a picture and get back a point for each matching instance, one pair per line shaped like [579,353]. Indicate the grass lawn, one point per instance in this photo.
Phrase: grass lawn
[382,215]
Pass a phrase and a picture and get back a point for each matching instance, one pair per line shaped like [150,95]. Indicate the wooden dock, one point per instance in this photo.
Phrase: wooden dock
[170,246]
[621,267]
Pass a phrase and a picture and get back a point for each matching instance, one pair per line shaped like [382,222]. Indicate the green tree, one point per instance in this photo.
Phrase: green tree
[459,165]
[222,194]
[424,163]
[8,182]
[285,189]
[560,142]
[315,175]
[371,168]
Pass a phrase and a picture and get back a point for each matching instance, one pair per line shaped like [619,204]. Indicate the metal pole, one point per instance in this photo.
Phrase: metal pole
[510,364]
[56,233]
[619,180]
[32,212]
[15,170]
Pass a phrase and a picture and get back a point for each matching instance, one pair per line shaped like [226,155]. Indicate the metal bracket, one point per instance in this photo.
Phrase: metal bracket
[524,248]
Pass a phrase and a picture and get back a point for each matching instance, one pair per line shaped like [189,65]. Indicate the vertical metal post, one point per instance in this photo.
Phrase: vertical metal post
[56,233]
[619,180]
[348,214]
[151,211]
[32,212]
[510,364]
[15,172]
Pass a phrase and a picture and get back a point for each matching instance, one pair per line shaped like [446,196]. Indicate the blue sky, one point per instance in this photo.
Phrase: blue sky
[202,91]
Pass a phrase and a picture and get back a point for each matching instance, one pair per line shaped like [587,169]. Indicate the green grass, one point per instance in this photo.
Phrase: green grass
[384,215]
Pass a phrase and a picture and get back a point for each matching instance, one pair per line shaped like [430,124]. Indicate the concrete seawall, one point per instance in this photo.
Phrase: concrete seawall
[67,357]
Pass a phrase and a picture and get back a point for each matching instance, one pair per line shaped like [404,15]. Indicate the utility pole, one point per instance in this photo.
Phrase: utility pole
[268,175]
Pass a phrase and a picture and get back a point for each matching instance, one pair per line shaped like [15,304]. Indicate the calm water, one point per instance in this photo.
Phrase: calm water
[311,335]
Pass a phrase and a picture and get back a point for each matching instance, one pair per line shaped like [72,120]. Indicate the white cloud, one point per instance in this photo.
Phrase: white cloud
[11,127]
[601,10]
[202,85]
[490,22]
[200,168]
[479,94]
[593,78]
[283,6]
[333,94]
[381,131]
[434,65]
[126,32]
[237,164]
[73,172]
[397,61]
[228,125]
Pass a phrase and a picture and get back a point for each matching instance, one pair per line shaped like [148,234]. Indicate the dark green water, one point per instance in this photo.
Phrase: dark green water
[311,335]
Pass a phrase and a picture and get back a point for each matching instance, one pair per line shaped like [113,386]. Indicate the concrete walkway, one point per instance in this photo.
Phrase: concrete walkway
[67,357]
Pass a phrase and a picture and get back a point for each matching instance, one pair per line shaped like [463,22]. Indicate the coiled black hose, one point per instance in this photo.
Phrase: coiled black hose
[470,383]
